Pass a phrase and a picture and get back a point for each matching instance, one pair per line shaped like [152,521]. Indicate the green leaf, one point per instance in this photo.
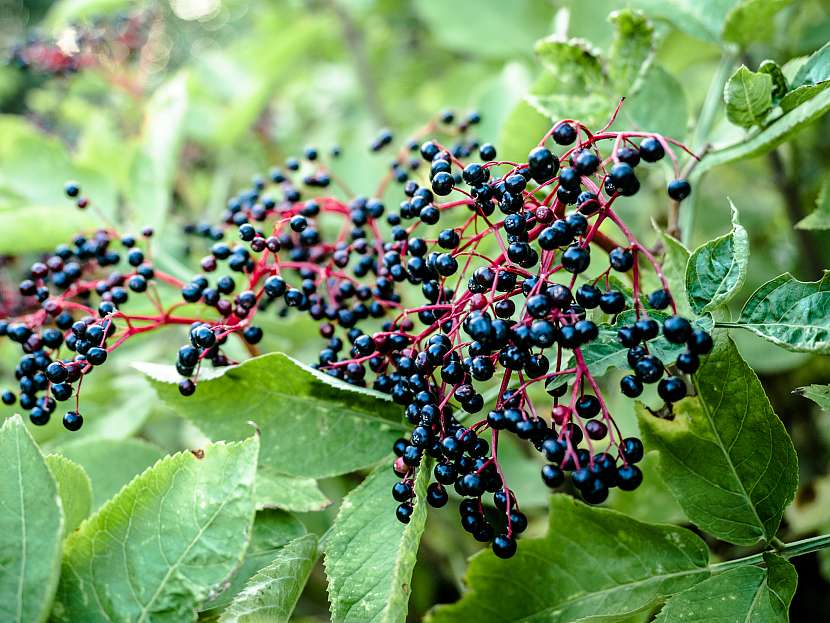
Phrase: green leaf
[74,489]
[31,527]
[790,313]
[592,563]
[312,425]
[592,109]
[751,21]
[717,269]
[632,51]
[776,132]
[820,217]
[272,531]
[700,18]
[802,94]
[651,501]
[370,555]
[779,80]
[726,456]
[110,464]
[574,62]
[153,169]
[659,105]
[815,70]
[271,594]
[739,595]
[674,266]
[158,548]
[820,394]
[606,352]
[748,97]
[291,493]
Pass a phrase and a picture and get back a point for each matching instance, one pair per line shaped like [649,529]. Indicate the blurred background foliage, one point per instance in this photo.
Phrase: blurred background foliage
[217,90]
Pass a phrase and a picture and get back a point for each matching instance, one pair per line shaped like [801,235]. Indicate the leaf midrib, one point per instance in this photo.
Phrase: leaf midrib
[710,418]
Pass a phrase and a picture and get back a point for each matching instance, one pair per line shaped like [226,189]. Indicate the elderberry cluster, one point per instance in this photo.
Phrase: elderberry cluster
[490,277]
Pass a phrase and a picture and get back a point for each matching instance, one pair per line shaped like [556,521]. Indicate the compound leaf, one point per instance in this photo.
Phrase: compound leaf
[574,62]
[31,527]
[717,269]
[726,456]
[158,548]
[592,563]
[370,555]
[312,425]
[748,97]
[790,313]
[271,594]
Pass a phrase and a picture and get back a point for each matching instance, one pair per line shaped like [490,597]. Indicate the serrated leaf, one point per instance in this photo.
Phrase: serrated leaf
[746,594]
[154,165]
[110,463]
[592,563]
[820,217]
[157,549]
[790,313]
[574,62]
[751,21]
[718,268]
[675,260]
[272,531]
[271,594]
[776,132]
[606,352]
[31,527]
[726,456]
[748,97]
[74,489]
[291,493]
[631,53]
[820,394]
[312,425]
[370,555]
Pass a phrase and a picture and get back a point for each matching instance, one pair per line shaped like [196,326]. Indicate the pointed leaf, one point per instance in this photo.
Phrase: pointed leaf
[776,132]
[790,313]
[748,97]
[272,531]
[742,595]
[717,269]
[675,262]
[820,217]
[271,594]
[726,456]
[73,487]
[291,493]
[632,51]
[31,527]
[157,549]
[820,394]
[370,555]
[312,425]
[592,563]
[816,69]
[110,463]
[751,21]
